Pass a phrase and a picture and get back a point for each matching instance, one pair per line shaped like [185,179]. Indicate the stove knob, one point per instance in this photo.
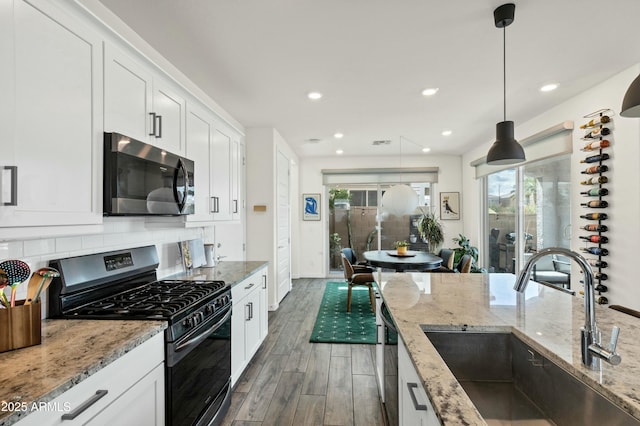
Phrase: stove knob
[187,323]
[210,308]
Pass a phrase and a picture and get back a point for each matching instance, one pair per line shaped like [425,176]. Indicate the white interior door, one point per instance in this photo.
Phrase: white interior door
[283,260]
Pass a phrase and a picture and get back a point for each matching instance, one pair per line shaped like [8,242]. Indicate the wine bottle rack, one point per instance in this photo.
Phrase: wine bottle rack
[598,135]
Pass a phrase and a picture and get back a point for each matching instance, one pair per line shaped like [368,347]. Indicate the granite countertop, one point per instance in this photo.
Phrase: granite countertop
[228,271]
[42,372]
[546,319]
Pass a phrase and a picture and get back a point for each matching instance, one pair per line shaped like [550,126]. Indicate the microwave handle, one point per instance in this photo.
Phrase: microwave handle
[183,169]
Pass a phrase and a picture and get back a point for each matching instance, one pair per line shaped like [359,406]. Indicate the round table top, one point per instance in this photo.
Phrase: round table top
[413,260]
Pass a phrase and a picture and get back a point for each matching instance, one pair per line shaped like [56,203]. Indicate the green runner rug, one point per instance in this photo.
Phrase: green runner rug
[335,325]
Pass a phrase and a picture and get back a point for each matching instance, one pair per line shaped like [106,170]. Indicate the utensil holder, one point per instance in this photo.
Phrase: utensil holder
[21,326]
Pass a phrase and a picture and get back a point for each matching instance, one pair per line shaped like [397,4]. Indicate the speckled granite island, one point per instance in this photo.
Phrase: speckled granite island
[227,271]
[71,351]
[544,318]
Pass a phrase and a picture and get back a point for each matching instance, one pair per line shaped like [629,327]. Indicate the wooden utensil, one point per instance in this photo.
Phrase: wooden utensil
[39,282]
[17,271]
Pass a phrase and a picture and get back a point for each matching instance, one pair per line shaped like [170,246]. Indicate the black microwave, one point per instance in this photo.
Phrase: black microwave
[144,180]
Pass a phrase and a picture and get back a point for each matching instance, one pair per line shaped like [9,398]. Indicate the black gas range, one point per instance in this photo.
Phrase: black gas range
[123,285]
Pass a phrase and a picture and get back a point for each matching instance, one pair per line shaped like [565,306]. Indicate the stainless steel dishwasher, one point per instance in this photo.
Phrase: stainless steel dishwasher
[390,366]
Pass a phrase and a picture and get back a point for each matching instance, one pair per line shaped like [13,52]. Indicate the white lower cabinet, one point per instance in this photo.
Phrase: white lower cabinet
[248,321]
[413,403]
[129,391]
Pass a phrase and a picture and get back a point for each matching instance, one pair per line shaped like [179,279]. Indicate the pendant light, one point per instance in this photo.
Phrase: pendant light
[506,149]
[631,101]
[399,199]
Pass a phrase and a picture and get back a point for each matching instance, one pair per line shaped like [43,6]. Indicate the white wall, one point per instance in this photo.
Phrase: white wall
[624,195]
[314,241]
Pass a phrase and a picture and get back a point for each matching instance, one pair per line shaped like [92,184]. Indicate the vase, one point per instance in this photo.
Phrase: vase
[401,250]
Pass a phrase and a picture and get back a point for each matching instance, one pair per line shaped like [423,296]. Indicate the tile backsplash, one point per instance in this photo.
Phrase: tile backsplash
[118,233]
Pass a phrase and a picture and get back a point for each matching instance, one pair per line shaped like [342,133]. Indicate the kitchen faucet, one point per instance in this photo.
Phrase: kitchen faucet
[590,336]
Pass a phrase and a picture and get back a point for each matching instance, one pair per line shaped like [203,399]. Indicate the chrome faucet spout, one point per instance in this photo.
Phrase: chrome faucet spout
[590,334]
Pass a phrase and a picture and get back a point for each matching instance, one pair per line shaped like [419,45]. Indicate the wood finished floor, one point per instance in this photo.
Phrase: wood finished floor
[293,382]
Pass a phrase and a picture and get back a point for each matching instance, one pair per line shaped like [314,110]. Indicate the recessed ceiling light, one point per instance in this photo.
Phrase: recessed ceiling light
[314,95]
[426,149]
[338,135]
[548,87]
[339,151]
[446,133]
[430,92]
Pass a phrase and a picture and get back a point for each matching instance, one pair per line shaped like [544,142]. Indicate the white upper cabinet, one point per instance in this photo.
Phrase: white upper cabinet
[199,149]
[51,112]
[141,104]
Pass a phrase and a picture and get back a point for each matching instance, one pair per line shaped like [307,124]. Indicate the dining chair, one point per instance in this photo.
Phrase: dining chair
[464,265]
[357,279]
[358,266]
[447,256]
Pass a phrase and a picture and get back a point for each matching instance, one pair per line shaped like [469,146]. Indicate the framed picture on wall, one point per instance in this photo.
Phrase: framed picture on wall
[450,205]
[310,206]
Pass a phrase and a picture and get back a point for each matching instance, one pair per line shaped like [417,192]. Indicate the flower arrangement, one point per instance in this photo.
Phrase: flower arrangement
[401,247]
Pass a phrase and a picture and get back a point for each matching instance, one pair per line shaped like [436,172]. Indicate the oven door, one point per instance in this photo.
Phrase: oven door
[199,374]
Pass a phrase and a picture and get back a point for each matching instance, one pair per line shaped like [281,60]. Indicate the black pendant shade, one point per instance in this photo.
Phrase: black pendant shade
[505,150]
[631,101]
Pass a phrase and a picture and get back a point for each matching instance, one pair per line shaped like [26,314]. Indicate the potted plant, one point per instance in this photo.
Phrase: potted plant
[430,230]
[465,247]
[401,247]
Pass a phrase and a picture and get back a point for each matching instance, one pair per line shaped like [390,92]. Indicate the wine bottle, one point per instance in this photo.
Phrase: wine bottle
[596,122]
[597,263]
[595,169]
[594,227]
[595,158]
[595,180]
[598,251]
[602,300]
[595,192]
[595,204]
[600,276]
[596,133]
[594,216]
[601,288]
[599,239]
[596,145]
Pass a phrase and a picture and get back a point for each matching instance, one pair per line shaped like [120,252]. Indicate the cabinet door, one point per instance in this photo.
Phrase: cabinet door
[239,316]
[413,404]
[264,304]
[141,405]
[127,96]
[199,149]
[55,108]
[221,174]
[169,109]
[252,325]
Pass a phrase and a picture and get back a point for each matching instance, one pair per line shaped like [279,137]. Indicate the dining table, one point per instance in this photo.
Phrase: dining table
[409,261]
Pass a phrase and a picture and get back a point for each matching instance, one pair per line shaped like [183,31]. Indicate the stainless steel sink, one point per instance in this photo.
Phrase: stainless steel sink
[510,383]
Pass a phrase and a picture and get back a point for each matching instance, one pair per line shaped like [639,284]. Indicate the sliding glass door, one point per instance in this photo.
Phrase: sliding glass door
[528,209]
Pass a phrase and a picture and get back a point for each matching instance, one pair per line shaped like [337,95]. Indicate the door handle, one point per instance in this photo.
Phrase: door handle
[418,407]
[13,170]
[153,124]
[235,206]
[159,135]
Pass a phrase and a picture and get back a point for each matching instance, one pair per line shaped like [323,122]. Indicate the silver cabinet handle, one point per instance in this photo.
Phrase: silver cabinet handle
[249,286]
[235,206]
[153,124]
[250,310]
[85,405]
[159,134]
[247,313]
[264,282]
[14,185]
[378,342]
[418,407]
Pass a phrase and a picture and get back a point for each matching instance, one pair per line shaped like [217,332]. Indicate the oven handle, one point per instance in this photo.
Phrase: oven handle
[204,335]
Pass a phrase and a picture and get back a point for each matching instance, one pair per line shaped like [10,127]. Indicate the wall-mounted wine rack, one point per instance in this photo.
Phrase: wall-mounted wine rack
[598,136]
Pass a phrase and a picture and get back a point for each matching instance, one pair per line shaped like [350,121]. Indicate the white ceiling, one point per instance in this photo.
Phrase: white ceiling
[371,59]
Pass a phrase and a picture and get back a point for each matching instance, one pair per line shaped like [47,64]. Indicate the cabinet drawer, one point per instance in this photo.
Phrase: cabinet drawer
[245,287]
[116,379]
